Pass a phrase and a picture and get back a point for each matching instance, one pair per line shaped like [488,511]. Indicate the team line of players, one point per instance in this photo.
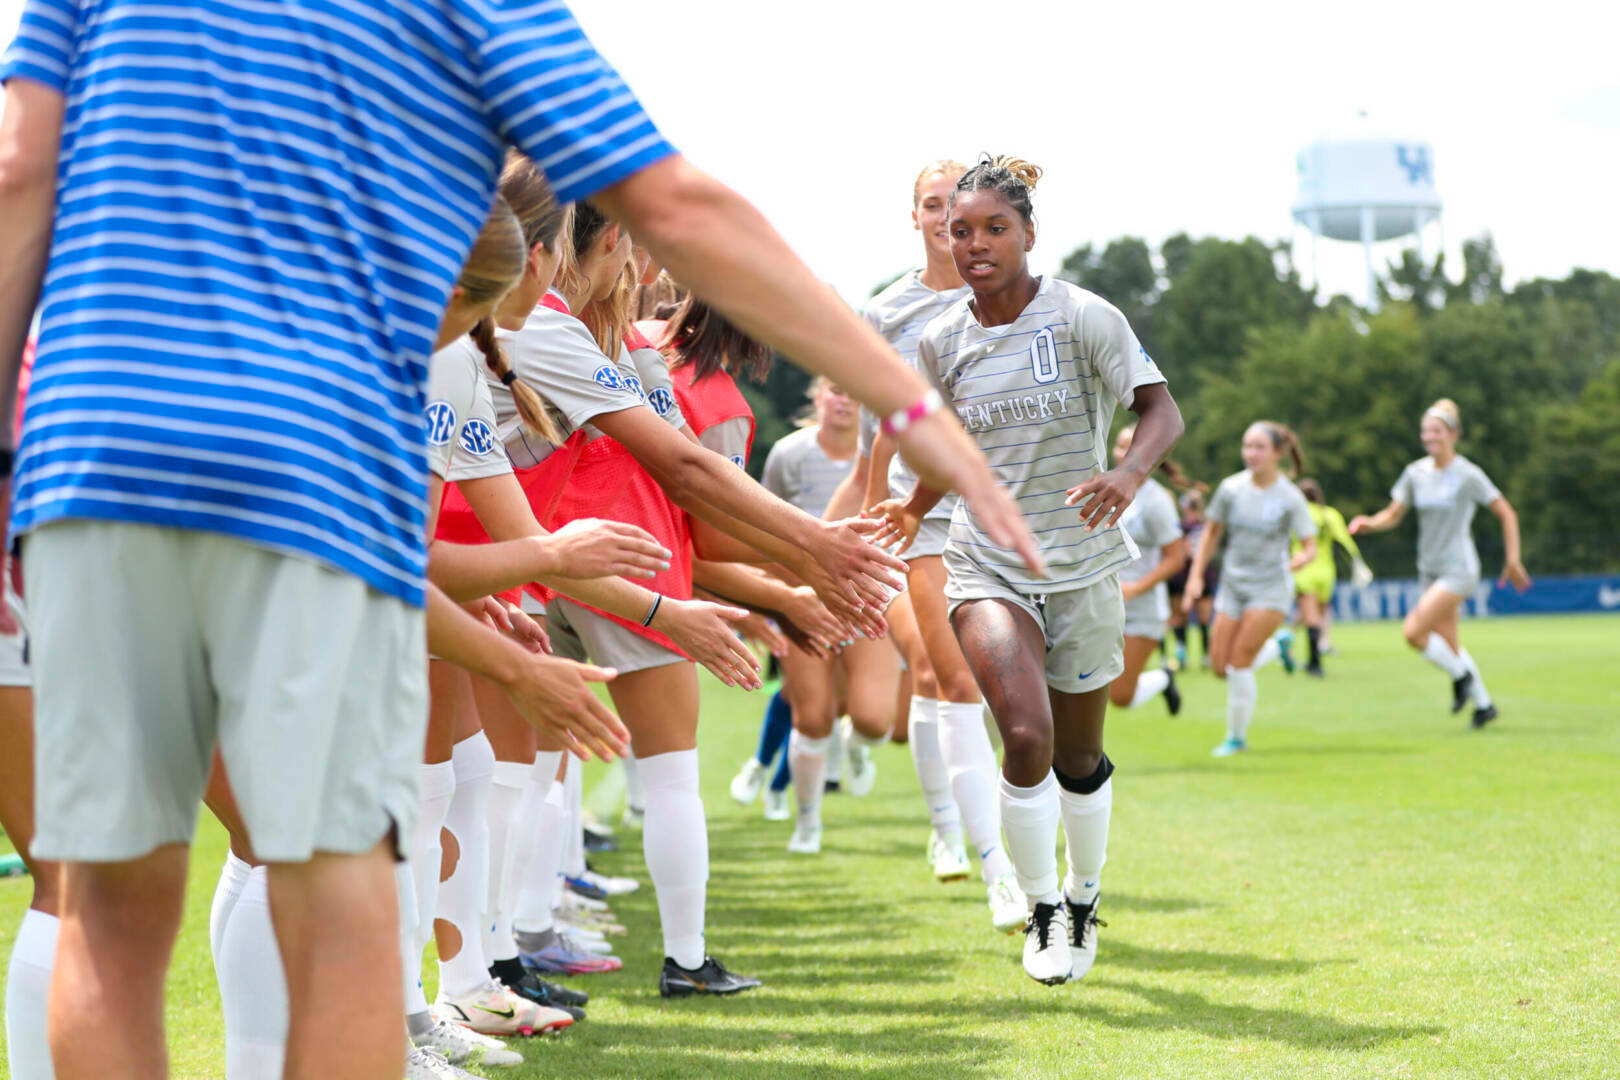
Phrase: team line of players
[587,500]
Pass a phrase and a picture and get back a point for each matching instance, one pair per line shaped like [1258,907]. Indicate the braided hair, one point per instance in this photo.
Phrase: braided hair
[1012,178]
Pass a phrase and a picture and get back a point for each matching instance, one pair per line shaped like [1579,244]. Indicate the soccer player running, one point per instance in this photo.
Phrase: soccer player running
[1154,525]
[1036,367]
[1258,509]
[1446,488]
[1314,582]
[284,479]
[950,749]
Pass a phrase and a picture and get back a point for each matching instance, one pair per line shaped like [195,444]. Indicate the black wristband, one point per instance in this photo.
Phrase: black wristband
[8,457]
[510,377]
[658,598]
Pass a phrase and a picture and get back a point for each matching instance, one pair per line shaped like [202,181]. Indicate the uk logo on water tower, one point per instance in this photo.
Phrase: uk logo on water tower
[1415,160]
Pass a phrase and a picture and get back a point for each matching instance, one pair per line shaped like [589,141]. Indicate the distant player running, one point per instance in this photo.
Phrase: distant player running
[1035,367]
[1258,509]
[1154,524]
[1314,582]
[1445,488]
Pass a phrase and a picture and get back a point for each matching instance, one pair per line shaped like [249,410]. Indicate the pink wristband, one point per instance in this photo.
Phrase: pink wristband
[898,421]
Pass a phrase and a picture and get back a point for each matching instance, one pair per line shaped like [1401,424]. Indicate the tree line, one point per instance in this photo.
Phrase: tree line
[1534,369]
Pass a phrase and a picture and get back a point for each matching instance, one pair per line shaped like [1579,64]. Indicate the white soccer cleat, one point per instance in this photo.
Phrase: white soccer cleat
[860,771]
[949,860]
[1083,923]
[572,901]
[426,1065]
[492,1009]
[1046,945]
[806,840]
[464,1046]
[612,886]
[748,783]
[1009,910]
[776,806]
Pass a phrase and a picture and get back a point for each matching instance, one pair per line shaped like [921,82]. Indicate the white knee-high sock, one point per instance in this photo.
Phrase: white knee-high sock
[506,789]
[1085,828]
[232,877]
[1149,685]
[1030,818]
[406,880]
[676,846]
[932,775]
[253,986]
[972,765]
[438,788]
[1242,691]
[28,985]
[464,895]
[538,889]
[1476,689]
[807,762]
[1268,652]
[635,797]
[835,752]
[574,860]
[524,833]
[1438,653]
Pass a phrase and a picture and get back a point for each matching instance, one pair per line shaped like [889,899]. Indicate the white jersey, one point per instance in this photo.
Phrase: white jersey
[555,354]
[798,471]
[1259,522]
[900,313]
[460,416]
[1445,501]
[1153,523]
[1038,395]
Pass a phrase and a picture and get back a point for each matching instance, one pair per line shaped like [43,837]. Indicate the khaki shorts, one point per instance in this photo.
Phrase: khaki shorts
[1084,628]
[580,634]
[149,645]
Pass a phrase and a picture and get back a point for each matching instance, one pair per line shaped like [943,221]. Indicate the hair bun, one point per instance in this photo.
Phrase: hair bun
[1025,171]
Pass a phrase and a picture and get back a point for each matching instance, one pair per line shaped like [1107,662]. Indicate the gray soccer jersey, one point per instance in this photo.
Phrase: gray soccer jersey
[1259,523]
[729,439]
[1152,522]
[798,470]
[555,354]
[460,417]
[899,313]
[1445,501]
[1038,395]
[656,387]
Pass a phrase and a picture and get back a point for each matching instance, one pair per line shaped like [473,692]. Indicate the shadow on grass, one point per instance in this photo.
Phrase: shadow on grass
[1127,955]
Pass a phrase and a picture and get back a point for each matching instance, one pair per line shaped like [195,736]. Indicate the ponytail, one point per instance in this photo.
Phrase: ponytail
[1178,477]
[531,406]
[702,337]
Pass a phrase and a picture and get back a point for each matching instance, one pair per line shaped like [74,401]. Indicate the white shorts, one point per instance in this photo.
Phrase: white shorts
[580,634]
[14,647]
[1232,598]
[1463,585]
[149,645]
[1145,617]
[1084,628]
[930,539]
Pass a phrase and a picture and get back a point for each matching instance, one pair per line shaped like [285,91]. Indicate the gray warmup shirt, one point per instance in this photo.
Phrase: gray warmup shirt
[1152,522]
[1259,523]
[1445,501]
[461,421]
[798,471]
[1038,395]
[900,313]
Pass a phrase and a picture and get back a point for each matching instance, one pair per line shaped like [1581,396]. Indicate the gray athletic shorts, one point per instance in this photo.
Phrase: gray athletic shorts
[150,645]
[580,634]
[1085,644]
[14,647]
[1463,585]
[1145,617]
[1233,598]
[930,539]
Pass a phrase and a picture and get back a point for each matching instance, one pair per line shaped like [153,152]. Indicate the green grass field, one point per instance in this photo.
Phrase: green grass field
[1372,891]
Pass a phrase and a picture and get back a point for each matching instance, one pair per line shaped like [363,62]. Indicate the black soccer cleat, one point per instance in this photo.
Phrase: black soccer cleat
[1483,716]
[1172,692]
[548,995]
[1314,670]
[710,977]
[596,843]
[1460,690]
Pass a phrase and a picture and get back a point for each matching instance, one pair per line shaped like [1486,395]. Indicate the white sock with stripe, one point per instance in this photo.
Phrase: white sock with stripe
[972,764]
[1030,818]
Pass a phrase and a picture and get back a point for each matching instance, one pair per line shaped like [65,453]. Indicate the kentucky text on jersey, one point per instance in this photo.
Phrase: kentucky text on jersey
[1042,406]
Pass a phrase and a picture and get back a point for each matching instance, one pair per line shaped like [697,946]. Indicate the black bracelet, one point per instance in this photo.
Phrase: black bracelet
[510,377]
[8,457]
[658,598]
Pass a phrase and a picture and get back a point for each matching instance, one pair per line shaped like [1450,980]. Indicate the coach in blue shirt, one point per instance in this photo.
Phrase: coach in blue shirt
[241,222]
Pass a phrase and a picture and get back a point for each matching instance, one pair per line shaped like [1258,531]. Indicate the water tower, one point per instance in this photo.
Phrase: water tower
[1366,186]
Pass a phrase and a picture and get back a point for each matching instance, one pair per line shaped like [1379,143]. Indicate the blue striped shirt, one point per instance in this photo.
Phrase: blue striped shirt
[262,206]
